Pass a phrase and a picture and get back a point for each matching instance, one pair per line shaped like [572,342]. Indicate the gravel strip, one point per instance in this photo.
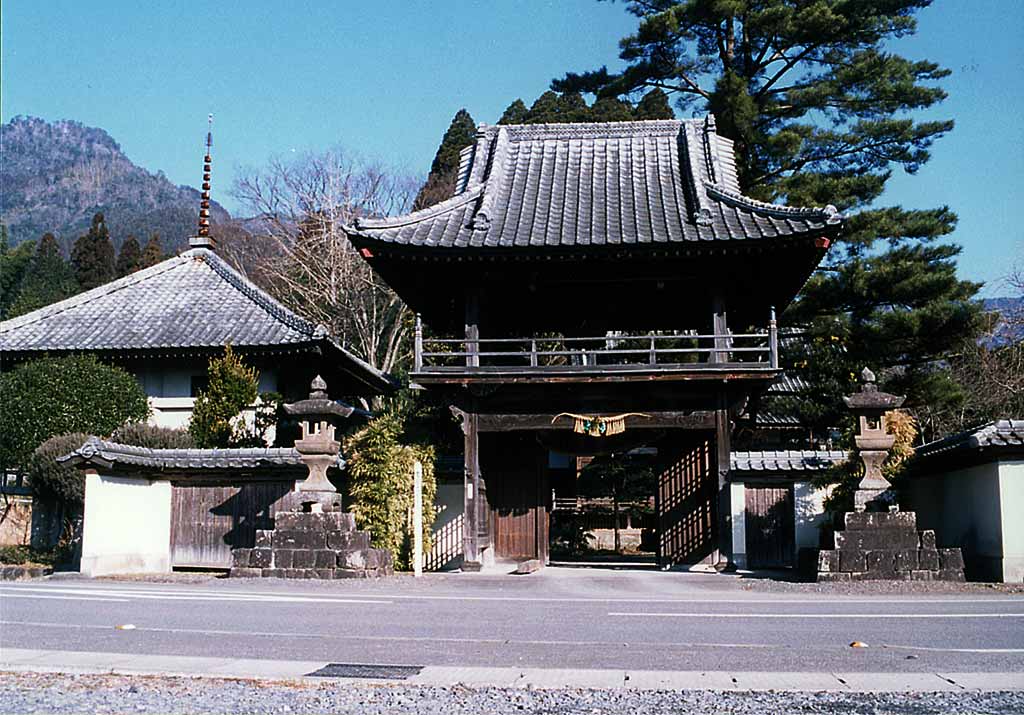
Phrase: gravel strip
[840,588]
[101,694]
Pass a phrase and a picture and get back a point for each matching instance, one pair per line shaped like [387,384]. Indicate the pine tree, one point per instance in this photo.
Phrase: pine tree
[444,170]
[821,112]
[654,105]
[153,253]
[610,109]
[129,259]
[514,114]
[49,279]
[93,255]
[14,264]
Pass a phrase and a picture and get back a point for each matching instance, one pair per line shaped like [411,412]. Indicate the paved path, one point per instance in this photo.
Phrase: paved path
[558,626]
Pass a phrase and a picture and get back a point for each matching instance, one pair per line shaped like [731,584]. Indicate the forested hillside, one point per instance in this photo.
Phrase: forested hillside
[57,176]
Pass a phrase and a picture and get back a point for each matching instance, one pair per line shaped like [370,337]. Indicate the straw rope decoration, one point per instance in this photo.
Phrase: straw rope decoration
[597,425]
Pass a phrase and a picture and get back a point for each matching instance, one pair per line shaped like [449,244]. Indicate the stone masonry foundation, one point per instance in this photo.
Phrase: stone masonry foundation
[872,545]
[312,545]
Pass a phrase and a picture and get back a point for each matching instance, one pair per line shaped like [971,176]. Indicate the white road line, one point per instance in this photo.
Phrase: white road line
[818,615]
[402,639]
[954,650]
[34,596]
[86,595]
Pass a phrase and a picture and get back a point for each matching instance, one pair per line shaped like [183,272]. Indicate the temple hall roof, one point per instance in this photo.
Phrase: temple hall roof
[190,302]
[619,183]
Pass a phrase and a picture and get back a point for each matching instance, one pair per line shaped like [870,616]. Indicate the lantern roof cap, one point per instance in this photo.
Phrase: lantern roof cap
[318,404]
[870,398]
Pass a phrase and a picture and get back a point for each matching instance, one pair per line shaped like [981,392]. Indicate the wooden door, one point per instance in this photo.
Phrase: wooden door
[517,495]
[770,526]
[685,500]
[208,520]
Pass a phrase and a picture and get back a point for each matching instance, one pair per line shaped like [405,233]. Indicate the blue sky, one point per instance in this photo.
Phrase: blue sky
[383,79]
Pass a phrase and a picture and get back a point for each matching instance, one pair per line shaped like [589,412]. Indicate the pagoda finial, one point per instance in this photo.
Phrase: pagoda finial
[202,238]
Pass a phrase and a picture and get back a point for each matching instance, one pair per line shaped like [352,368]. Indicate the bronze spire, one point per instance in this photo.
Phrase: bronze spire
[202,238]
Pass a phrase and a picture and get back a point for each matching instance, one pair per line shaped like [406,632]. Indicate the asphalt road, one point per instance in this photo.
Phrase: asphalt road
[558,618]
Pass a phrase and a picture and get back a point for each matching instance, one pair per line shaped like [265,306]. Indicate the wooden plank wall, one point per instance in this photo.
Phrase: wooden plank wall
[685,500]
[207,520]
[517,494]
[770,526]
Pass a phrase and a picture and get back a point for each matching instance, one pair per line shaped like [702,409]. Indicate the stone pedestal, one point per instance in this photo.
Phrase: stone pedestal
[306,544]
[874,545]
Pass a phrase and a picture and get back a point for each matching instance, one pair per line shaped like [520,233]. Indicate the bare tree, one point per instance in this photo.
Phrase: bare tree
[296,248]
[989,371]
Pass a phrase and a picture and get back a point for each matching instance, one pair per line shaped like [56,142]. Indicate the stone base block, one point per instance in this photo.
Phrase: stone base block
[323,545]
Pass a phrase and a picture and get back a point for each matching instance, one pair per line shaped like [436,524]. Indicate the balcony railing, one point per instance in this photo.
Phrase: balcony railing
[614,351]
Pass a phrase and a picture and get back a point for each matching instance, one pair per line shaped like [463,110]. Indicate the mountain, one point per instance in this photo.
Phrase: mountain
[55,176]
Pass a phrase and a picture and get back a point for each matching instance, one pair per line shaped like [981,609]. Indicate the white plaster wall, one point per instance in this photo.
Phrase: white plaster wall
[963,507]
[174,412]
[449,506]
[1011,504]
[808,513]
[738,507]
[126,526]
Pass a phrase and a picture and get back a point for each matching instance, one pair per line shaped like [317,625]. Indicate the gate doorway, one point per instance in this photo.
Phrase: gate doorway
[770,527]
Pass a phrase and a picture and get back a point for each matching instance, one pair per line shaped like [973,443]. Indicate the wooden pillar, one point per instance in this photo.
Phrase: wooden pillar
[720,329]
[723,458]
[471,492]
[472,328]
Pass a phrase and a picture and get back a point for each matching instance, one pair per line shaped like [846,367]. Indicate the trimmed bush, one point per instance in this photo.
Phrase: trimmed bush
[52,481]
[141,434]
[53,396]
[380,486]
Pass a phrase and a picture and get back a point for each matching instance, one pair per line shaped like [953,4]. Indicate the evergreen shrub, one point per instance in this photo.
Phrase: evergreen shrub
[142,434]
[55,482]
[380,486]
[216,416]
[53,396]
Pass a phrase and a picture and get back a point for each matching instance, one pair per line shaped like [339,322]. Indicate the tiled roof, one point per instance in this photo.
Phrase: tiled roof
[619,183]
[788,384]
[998,435]
[97,452]
[193,300]
[786,460]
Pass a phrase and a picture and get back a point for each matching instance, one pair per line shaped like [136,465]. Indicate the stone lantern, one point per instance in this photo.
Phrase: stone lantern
[318,447]
[873,442]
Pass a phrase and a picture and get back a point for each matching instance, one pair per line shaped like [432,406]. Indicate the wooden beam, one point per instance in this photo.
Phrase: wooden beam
[471,493]
[723,450]
[472,328]
[720,329]
[542,421]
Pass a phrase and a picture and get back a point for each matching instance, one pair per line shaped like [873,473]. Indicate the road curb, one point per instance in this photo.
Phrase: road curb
[41,661]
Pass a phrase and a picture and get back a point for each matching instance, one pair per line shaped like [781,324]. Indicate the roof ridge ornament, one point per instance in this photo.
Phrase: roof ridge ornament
[494,178]
[829,213]
[202,239]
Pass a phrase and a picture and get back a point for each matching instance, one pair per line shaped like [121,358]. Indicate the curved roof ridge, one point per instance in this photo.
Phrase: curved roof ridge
[257,295]
[442,207]
[642,127]
[98,292]
[829,213]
